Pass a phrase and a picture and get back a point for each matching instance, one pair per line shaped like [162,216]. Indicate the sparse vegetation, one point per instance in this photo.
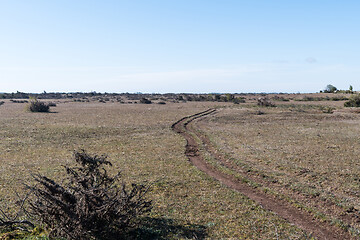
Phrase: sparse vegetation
[353,102]
[280,98]
[141,143]
[263,151]
[327,109]
[285,148]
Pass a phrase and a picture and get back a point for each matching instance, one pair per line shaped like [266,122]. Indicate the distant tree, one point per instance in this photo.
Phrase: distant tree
[351,88]
[330,89]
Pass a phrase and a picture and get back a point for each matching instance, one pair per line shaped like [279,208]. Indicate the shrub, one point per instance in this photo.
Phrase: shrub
[327,109]
[145,101]
[37,106]
[238,100]
[1,103]
[339,98]
[278,98]
[90,204]
[52,104]
[265,102]
[18,101]
[353,102]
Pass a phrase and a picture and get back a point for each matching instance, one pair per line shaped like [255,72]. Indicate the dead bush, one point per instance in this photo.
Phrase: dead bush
[90,204]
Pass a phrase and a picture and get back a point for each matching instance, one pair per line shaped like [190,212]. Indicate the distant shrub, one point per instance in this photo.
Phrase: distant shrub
[354,101]
[89,203]
[277,98]
[327,109]
[145,101]
[311,99]
[238,100]
[162,102]
[37,106]
[339,98]
[265,102]
[52,104]
[18,101]
[1,103]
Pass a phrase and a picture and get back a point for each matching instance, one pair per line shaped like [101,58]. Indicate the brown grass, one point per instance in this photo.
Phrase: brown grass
[139,140]
[300,152]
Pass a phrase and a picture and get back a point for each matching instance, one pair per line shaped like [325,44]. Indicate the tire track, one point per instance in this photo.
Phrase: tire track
[303,220]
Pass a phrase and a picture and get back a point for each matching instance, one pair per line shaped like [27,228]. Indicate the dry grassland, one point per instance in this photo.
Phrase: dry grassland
[140,142]
[297,152]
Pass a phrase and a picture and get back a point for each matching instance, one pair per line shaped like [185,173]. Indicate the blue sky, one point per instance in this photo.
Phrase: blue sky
[178,45]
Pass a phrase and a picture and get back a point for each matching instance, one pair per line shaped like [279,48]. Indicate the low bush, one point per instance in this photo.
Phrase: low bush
[37,106]
[339,98]
[90,204]
[52,104]
[238,100]
[265,102]
[327,109]
[18,101]
[145,101]
[278,98]
[354,101]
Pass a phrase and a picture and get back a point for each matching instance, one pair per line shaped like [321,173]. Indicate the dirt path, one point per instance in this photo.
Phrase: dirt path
[303,220]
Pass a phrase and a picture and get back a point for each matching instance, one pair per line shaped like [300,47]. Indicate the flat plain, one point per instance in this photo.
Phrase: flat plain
[302,151]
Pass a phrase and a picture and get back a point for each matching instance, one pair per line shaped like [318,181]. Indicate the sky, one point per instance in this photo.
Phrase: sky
[177,46]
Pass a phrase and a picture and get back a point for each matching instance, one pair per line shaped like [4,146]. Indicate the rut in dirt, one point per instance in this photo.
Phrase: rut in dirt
[302,219]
